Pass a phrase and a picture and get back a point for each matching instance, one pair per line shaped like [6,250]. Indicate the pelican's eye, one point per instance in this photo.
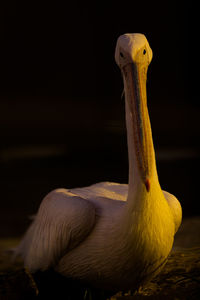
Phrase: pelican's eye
[121,54]
[144,51]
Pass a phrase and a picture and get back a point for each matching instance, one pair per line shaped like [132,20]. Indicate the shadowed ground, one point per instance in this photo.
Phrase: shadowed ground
[180,278]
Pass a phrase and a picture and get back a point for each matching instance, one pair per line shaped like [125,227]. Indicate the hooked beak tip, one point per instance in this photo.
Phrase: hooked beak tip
[147,184]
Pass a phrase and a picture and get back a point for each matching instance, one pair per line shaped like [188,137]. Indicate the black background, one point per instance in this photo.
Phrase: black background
[61,112]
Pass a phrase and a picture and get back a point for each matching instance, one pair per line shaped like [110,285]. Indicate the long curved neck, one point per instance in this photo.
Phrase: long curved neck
[142,163]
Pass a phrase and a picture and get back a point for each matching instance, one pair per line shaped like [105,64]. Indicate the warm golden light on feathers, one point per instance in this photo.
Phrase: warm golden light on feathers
[110,235]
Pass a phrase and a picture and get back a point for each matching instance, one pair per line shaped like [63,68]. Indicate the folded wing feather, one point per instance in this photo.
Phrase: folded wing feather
[63,221]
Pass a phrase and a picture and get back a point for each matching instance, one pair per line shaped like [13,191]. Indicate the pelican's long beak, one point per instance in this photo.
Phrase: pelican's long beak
[135,92]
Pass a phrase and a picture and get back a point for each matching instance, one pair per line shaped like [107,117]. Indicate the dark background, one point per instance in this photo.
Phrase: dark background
[61,113]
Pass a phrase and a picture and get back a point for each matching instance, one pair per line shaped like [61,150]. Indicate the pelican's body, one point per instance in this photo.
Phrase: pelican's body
[113,236]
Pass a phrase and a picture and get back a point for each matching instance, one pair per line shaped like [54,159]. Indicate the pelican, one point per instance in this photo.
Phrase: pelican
[109,235]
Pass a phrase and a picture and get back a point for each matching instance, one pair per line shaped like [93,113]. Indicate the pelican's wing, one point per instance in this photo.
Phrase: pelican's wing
[176,209]
[108,190]
[63,221]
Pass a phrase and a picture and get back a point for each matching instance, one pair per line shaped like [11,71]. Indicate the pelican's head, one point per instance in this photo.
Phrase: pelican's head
[132,48]
[133,55]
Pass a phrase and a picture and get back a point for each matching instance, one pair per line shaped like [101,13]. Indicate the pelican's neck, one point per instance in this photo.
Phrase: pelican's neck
[142,163]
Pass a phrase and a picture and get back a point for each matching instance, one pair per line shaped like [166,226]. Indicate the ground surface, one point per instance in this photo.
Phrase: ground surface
[180,278]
